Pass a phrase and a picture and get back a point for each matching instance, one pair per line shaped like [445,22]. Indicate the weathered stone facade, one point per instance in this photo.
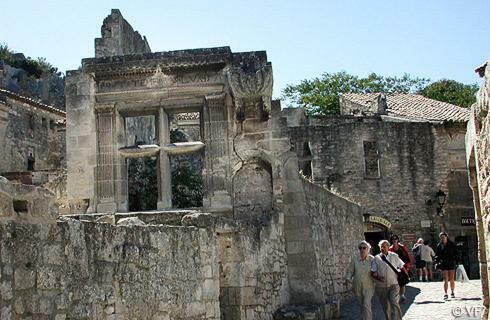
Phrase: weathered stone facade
[392,168]
[477,155]
[30,132]
[273,241]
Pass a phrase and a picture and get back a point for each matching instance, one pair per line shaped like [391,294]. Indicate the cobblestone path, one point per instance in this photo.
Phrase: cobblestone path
[425,302]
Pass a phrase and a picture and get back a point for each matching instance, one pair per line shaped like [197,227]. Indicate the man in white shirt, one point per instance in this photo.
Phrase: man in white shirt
[426,254]
[387,288]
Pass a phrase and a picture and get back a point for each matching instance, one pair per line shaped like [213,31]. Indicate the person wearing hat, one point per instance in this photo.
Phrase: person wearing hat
[403,254]
[359,273]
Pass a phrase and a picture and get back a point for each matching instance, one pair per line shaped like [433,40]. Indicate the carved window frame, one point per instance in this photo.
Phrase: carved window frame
[370,149]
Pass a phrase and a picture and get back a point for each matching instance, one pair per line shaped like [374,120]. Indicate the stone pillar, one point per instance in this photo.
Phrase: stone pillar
[216,161]
[81,139]
[121,169]
[105,173]
[165,174]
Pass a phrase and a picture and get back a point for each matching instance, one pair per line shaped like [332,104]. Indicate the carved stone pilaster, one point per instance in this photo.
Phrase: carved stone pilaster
[105,169]
[252,91]
[216,165]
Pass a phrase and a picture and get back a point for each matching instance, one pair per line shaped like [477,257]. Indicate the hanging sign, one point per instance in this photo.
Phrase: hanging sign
[468,221]
[379,220]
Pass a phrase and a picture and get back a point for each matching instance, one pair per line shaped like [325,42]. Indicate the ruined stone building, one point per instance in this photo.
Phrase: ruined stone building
[265,238]
[32,138]
[477,156]
[392,154]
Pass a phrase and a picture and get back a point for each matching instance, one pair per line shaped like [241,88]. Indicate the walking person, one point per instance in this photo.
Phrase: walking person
[427,254]
[420,264]
[446,261]
[359,273]
[386,286]
[403,254]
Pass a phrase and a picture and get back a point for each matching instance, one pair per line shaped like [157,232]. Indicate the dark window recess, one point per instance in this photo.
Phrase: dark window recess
[52,125]
[31,121]
[20,206]
[371,159]
[44,122]
[30,162]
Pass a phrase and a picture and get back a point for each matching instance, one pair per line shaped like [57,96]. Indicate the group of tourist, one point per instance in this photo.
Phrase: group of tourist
[384,273]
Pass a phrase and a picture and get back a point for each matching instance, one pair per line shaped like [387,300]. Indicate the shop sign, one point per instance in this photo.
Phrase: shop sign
[409,237]
[468,221]
[379,220]
[425,223]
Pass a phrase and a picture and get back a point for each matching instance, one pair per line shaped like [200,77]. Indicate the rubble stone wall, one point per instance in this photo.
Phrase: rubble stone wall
[478,160]
[82,270]
[337,229]
[26,130]
[413,166]
[253,272]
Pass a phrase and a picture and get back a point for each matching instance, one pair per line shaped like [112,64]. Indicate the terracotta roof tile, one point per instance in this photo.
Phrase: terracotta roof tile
[32,102]
[413,106]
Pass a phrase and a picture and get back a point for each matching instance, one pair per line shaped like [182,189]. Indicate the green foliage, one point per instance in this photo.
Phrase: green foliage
[142,184]
[321,95]
[186,188]
[34,67]
[451,91]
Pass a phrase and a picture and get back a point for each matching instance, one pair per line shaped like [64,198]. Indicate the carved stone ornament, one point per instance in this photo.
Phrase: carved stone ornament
[104,107]
[248,85]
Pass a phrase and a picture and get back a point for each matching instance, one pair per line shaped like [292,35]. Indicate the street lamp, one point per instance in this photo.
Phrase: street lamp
[441,199]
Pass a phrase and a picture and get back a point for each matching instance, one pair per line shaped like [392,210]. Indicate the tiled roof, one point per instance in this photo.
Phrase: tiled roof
[413,106]
[32,102]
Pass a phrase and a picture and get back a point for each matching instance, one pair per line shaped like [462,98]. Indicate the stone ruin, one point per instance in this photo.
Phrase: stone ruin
[267,243]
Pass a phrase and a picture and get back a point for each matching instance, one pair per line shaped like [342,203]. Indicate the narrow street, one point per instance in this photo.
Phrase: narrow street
[425,302]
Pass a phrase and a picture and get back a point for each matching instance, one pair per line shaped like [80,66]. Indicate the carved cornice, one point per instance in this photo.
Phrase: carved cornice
[251,84]
[215,98]
[147,63]
[104,107]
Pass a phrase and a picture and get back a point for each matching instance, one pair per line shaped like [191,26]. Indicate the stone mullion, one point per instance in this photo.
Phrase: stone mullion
[120,168]
[165,176]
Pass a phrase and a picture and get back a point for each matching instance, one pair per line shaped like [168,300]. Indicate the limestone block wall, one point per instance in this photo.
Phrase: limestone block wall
[77,270]
[337,229]
[478,160]
[413,165]
[119,38]
[26,130]
[81,142]
[253,272]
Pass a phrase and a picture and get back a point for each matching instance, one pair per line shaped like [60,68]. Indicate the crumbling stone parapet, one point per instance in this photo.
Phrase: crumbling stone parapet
[26,203]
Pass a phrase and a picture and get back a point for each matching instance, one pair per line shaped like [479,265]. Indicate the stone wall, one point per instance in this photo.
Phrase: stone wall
[478,160]
[30,132]
[337,229]
[119,38]
[412,161]
[79,270]
[72,269]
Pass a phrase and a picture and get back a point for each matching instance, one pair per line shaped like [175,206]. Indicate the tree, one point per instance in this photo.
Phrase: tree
[451,91]
[321,95]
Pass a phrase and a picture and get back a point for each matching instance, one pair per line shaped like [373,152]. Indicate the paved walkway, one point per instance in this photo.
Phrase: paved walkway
[425,302]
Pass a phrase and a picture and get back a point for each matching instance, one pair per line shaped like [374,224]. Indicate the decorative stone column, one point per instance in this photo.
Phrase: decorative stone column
[165,174]
[105,174]
[216,170]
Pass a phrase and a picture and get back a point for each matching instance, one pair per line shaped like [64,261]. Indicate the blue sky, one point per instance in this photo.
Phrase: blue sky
[426,38]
